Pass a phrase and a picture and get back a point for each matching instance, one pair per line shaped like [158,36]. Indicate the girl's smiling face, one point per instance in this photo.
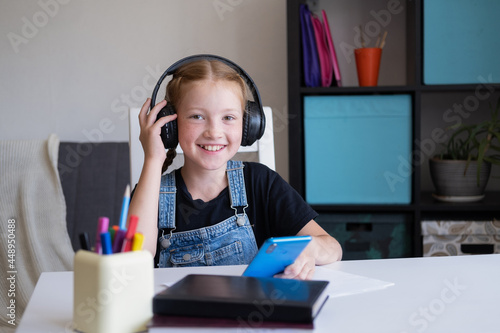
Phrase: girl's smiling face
[210,123]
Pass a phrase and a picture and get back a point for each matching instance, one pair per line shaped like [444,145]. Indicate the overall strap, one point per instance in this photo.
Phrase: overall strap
[236,182]
[166,211]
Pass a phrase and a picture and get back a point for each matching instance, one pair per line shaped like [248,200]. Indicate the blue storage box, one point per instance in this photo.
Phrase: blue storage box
[357,149]
[461,43]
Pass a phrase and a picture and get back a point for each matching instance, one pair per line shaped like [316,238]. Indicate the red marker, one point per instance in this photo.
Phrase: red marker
[129,236]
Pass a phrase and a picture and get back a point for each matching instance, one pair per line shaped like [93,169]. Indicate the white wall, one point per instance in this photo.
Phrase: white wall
[73,67]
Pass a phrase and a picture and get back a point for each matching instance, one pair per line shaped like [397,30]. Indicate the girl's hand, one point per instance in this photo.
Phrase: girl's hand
[302,268]
[323,249]
[151,129]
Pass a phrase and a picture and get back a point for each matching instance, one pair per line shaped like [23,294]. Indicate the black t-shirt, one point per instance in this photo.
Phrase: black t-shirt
[274,207]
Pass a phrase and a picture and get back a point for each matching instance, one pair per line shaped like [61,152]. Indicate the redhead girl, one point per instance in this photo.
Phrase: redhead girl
[213,210]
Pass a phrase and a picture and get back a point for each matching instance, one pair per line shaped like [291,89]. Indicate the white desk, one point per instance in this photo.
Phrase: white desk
[441,294]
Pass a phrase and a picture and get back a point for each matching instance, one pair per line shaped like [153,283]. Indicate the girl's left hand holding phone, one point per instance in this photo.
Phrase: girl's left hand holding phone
[303,267]
[323,249]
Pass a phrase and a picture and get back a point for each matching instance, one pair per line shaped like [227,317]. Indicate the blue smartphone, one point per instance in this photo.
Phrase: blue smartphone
[275,254]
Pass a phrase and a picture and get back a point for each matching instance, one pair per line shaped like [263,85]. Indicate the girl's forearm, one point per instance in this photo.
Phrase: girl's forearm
[326,249]
[144,204]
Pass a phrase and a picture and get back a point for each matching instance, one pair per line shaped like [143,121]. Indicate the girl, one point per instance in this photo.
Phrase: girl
[215,211]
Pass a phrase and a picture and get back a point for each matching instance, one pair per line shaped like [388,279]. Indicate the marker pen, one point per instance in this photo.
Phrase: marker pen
[84,241]
[102,226]
[106,243]
[137,242]
[129,236]
[118,241]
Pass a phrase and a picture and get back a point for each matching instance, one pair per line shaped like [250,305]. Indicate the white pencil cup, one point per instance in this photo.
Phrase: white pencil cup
[112,293]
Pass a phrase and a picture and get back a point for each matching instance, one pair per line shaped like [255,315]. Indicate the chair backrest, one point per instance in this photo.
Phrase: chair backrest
[263,148]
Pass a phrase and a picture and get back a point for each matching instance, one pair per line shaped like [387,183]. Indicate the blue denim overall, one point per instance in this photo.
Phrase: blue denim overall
[230,242]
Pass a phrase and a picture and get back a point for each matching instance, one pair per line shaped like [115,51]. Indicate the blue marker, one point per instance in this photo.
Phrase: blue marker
[123,216]
[106,243]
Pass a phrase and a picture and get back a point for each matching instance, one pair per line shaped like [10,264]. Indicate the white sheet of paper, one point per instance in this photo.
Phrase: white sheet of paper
[345,284]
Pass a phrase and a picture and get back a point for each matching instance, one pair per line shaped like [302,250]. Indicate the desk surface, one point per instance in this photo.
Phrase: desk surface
[440,294]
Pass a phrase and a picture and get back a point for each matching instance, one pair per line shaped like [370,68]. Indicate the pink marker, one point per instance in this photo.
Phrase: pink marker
[102,226]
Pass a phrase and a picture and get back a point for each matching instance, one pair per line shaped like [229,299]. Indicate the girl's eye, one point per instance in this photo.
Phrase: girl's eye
[196,116]
[228,118]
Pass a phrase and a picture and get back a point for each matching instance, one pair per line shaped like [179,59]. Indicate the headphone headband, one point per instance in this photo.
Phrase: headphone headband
[176,65]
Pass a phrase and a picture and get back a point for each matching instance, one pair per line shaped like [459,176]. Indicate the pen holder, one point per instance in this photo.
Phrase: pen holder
[367,65]
[112,293]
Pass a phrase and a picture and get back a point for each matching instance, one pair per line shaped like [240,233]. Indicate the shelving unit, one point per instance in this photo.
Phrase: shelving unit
[422,205]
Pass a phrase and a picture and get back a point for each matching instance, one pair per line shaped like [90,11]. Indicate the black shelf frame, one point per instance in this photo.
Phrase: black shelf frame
[422,205]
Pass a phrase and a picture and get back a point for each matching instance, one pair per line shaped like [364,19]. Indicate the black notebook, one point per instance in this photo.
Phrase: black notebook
[245,299]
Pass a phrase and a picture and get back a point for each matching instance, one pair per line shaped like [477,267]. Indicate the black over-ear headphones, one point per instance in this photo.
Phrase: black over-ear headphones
[254,120]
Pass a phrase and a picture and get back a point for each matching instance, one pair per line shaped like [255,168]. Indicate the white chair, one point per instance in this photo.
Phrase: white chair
[263,148]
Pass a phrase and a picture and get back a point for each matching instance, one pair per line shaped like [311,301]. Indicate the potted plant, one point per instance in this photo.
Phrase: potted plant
[462,170]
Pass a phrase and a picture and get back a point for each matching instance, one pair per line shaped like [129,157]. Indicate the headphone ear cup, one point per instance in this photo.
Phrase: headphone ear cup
[168,132]
[254,123]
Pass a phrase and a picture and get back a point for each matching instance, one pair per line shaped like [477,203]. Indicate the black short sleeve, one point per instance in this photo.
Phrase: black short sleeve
[275,208]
